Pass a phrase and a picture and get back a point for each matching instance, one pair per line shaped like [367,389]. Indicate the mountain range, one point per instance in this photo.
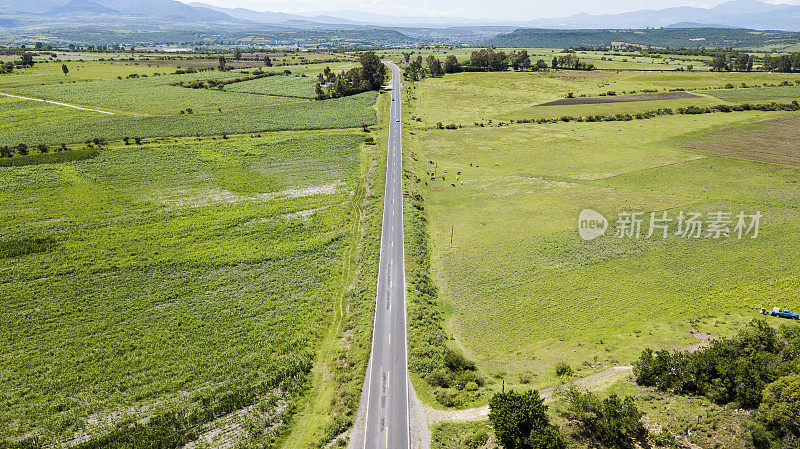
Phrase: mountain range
[41,15]
[752,14]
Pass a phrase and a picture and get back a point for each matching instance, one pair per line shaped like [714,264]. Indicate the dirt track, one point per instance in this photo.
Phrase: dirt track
[596,381]
[621,98]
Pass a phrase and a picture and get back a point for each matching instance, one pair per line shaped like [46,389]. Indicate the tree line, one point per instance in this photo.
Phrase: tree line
[370,76]
[485,60]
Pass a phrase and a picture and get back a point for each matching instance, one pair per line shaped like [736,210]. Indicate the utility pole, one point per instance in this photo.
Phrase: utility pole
[451,235]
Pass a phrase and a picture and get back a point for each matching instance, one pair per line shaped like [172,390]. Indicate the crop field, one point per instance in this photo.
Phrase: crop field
[452,98]
[51,72]
[36,123]
[156,95]
[522,291]
[154,89]
[157,278]
[755,93]
[185,277]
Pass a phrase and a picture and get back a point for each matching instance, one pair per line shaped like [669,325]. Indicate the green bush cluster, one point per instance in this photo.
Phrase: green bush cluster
[612,422]
[58,157]
[757,369]
[220,83]
[730,370]
[520,421]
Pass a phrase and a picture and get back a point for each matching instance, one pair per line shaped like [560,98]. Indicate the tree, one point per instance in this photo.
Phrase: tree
[372,70]
[555,63]
[434,66]
[22,149]
[267,61]
[487,58]
[520,421]
[780,406]
[64,69]
[611,423]
[743,63]
[451,64]
[27,59]
[329,75]
[520,60]
[237,53]
[720,63]
[320,94]
[222,62]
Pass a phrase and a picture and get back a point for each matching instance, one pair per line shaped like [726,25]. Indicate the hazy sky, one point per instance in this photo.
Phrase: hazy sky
[491,9]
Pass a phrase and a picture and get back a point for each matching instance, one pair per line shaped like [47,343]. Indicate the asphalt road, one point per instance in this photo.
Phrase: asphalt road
[386,422]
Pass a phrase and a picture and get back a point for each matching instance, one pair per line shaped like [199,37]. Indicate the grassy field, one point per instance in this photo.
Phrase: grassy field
[34,122]
[756,93]
[155,106]
[522,291]
[202,286]
[600,59]
[157,278]
[466,98]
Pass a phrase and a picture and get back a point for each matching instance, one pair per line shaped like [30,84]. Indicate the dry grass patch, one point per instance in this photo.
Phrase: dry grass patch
[775,141]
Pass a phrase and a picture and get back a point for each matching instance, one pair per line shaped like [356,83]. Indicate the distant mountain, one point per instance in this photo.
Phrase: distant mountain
[735,7]
[82,7]
[698,25]
[250,15]
[160,9]
[752,14]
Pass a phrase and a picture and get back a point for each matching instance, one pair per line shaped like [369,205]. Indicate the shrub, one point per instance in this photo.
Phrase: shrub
[612,423]
[664,439]
[455,360]
[520,421]
[563,369]
[448,397]
[476,440]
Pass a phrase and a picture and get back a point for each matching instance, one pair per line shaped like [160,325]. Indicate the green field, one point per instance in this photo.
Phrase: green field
[154,106]
[466,98]
[192,287]
[522,291]
[52,125]
[756,93]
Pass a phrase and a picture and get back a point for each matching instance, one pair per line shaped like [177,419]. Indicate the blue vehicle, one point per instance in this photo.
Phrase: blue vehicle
[781,313]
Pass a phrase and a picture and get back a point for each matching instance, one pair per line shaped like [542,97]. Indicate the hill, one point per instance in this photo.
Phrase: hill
[663,37]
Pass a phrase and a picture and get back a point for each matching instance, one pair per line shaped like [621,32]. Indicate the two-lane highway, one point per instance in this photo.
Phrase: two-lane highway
[386,411]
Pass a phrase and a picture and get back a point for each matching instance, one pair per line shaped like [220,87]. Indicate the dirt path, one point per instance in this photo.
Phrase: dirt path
[57,103]
[595,381]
